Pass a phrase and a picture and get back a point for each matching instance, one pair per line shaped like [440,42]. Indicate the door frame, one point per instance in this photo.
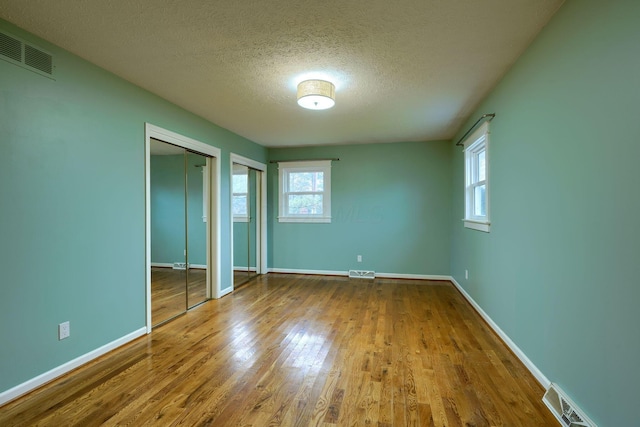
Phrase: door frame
[261,211]
[213,207]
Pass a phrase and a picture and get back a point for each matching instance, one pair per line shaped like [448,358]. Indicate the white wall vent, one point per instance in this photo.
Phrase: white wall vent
[564,409]
[362,274]
[19,52]
[179,265]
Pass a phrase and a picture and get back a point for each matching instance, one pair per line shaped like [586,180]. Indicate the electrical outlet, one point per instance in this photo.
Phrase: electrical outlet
[64,330]
[359,258]
[466,274]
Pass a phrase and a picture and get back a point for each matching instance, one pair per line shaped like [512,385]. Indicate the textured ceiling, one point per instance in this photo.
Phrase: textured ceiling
[404,70]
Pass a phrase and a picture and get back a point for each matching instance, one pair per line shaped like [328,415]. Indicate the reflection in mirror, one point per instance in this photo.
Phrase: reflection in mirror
[252,205]
[246,222]
[196,173]
[168,260]
[241,217]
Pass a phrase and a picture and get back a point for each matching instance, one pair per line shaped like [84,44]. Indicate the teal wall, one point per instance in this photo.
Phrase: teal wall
[559,270]
[168,209]
[72,245]
[390,203]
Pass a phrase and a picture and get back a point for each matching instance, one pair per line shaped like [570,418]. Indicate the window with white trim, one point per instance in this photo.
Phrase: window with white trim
[476,192]
[240,196]
[304,190]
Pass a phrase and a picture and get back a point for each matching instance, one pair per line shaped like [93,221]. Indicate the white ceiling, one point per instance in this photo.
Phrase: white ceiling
[404,70]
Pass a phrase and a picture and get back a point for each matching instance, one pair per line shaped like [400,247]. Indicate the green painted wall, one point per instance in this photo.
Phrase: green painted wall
[72,240]
[168,209]
[390,203]
[559,270]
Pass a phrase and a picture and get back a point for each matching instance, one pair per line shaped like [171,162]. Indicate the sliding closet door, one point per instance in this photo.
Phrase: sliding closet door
[252,230]
[241,218]
[168,232]
[196,174]
[246,211]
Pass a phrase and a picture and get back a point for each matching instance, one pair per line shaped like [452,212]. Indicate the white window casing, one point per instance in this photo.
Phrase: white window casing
[476,180]
[304,191]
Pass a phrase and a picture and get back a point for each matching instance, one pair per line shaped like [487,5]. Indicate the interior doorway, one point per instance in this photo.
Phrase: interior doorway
[248,214]
[182,224]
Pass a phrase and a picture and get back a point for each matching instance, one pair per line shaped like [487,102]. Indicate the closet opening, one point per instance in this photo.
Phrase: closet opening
[182,224]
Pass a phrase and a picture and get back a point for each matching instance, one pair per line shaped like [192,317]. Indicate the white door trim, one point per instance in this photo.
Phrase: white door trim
[213,214]
[261,246]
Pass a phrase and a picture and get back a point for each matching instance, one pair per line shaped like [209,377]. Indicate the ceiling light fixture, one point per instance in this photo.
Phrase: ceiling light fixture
[316,94]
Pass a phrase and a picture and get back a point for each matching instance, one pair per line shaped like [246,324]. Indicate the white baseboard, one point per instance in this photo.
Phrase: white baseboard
[542,379]
[346,273]
[312,272]
[412,276]
[170,265]
[225,291]
[36,382]
[241,268]
[162,264]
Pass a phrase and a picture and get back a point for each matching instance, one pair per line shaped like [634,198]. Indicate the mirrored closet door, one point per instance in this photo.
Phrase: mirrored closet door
[196,225]
[245,211]
[178,230]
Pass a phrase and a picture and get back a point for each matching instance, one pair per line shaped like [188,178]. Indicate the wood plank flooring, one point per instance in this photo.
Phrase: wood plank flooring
[288,350]
[170,293]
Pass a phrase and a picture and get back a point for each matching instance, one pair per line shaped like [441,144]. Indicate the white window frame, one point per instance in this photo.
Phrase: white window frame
[284,169]
[241,170]
[475,144]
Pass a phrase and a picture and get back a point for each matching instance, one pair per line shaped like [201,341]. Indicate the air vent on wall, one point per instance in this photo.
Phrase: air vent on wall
[179,265]
[362,274]
[564,409]
[21,53]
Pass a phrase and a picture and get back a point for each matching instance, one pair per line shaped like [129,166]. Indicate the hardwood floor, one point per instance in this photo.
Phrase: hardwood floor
[242,277]
[170,295]
[303,351]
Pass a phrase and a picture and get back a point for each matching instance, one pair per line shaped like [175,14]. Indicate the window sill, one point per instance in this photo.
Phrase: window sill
[307,219]
[240,219]
[477,225]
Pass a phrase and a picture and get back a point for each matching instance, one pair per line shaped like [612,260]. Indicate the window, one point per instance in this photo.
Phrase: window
[476,159]
[240,196]
[304,191]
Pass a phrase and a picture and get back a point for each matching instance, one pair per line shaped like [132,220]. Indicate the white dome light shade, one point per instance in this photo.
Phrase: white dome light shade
[316,94]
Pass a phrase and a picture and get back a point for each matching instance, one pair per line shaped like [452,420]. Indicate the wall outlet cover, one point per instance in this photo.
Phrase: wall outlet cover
[64,330]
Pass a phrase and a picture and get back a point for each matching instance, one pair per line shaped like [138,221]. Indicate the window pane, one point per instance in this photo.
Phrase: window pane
[480,201]
[305,204]
[240,183]
[240,204]
[306,181]
[481,166]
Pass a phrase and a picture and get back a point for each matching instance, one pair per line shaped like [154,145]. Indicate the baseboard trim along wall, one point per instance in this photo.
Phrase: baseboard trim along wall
[36,382]
[241,268]
[312,272]
[412,276]
[346,273]
[225,291]
[542,379]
